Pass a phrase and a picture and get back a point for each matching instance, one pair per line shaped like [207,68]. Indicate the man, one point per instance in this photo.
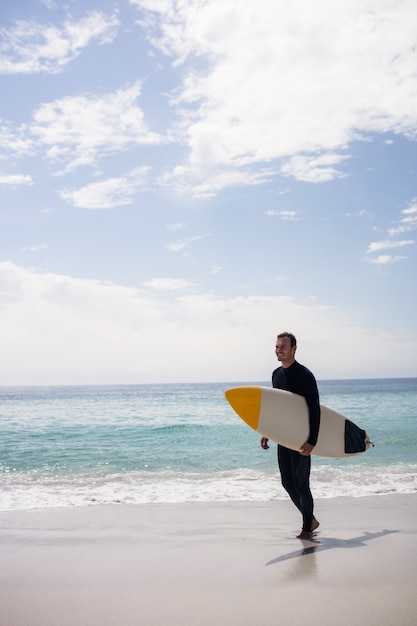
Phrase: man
[295,466]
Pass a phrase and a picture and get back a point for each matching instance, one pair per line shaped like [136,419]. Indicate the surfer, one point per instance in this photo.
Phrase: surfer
[295,466]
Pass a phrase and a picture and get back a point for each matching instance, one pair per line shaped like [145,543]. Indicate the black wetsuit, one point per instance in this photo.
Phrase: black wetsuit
[294,467]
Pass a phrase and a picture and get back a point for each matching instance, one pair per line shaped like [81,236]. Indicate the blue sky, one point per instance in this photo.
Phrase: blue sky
[181,180]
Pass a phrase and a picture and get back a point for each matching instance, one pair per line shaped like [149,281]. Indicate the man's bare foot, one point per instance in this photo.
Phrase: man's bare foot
[304,534]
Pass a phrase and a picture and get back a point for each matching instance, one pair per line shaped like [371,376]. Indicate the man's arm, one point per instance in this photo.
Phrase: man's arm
[311,394]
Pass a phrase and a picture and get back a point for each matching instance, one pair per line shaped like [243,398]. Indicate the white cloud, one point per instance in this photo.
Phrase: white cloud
[107,194]
[412,210]
[183,180]
[14,142]
[314,169]
[265,88]
[35,248]
[79,130]
[59,329]
[49,4]
[13,180]
[360,213]
[287,84]
[384,259]
[407,223]
[169,284]
[285,215]
[411,217]
[31,47]
[177,246]
[375,246]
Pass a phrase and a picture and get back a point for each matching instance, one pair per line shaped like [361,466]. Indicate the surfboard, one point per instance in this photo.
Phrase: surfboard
[282,416]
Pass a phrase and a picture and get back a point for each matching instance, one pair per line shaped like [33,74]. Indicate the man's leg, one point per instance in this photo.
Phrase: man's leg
[295,477]
[301,473]
[285,464]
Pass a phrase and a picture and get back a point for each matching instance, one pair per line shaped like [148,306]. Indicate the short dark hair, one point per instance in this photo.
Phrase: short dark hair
[291,337]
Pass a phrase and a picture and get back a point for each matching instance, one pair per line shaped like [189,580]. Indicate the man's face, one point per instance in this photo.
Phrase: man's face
[283,350]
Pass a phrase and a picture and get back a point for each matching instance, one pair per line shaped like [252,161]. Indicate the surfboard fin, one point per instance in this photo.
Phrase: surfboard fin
[356,439]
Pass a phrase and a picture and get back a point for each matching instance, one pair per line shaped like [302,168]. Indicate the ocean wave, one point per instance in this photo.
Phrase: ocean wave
[178,427]
[39,490]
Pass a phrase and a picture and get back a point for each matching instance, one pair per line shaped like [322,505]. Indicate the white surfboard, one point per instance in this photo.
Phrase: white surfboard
[283,417]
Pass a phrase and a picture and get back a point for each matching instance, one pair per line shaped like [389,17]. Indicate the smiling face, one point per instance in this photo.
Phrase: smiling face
[285,353]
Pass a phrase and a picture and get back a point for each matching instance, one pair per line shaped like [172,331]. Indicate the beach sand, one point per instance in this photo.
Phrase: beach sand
[232,563]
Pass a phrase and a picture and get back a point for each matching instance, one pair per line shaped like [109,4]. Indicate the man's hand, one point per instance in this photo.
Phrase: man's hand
[264,443]
[306,449]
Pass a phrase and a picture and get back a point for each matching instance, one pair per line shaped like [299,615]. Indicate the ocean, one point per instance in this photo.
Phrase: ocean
[68,446]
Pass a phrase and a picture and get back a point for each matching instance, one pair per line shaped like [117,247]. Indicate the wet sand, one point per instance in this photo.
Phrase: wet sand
[210,563]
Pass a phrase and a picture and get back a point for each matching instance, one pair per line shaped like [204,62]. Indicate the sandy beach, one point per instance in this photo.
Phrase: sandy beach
[210,563]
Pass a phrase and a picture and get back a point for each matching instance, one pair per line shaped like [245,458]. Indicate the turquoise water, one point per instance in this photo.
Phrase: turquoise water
[75,446]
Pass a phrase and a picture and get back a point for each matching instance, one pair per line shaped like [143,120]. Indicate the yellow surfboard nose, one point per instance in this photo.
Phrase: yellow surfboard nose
[246,401]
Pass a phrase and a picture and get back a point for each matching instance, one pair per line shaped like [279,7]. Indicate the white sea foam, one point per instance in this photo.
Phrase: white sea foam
[23,492]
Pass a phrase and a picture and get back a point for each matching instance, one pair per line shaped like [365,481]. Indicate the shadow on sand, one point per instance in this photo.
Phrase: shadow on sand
[313,546]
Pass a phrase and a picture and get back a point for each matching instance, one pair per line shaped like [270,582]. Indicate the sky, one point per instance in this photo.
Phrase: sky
[181,180]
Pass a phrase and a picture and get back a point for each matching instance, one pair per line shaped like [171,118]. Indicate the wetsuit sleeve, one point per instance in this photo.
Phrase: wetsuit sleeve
[311,395]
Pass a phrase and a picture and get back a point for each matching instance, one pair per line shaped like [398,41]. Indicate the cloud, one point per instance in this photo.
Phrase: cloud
[59,329]
[384,259]
[30,47]
[182,178]
[285,85]
[407,223]
[107,194]
[360,213]
[14,142]
[177,246]
[35,248]
[49,4]
[13,180]
[412,210]
[79,130]
[314,169]
[169,284]
[263,89]
[375,246]
[285,215]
